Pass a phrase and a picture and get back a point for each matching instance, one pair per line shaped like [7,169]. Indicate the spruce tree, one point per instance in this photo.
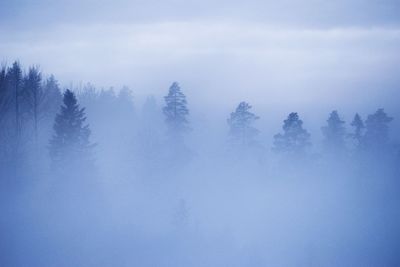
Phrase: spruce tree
[359,126]
[376,137]
[334,134]
[14,78]
[70,142]
[294,140]
[14,84]
[241,128]
[34,94]
[125,101]
[5,97]
[6,123]
[176,112]
[52,97]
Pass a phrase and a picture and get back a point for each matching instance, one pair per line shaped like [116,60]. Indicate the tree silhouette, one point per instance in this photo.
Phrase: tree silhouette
[359,127]
[70,143]
[294,140]
[34,94]
[52,97]
[334,134]
[14,87]
[376,138]
[240,123]
[176,112]
[14,78]
[4,94]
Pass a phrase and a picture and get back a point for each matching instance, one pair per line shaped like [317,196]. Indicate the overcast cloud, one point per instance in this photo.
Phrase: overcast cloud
[261,51]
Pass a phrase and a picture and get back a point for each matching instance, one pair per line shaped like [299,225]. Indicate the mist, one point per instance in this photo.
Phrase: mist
[199,133]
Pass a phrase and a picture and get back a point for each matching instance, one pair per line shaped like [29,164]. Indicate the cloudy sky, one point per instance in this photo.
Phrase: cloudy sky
[286,54]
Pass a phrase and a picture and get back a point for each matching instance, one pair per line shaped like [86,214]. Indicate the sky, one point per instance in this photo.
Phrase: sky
[278,55]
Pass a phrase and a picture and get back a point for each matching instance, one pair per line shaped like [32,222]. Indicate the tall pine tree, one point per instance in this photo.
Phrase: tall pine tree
[241,122]
[334,134]
[359,127]
[52,97]
[33,92]
[15,79]
[176,112]
[376,137]
[70,143]
[294,140]
[14,84]
[6,124]
[5,98]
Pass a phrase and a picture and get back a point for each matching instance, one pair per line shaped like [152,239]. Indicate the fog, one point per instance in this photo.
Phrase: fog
[196,133]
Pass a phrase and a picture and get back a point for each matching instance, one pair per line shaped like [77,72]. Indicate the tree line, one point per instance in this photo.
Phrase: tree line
[371,135]
[42,126]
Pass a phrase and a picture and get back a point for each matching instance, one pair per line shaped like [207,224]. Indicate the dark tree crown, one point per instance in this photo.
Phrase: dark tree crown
[334,133]
[176,110]
[71,138]
[240,123]
[294,139]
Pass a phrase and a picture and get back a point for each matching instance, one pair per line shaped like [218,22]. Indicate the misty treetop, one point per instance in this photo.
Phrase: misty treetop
[70,142]
[376,137]
[359,127]
[27,109]
[295,139]
[176,111]
[241,129]
[334,133]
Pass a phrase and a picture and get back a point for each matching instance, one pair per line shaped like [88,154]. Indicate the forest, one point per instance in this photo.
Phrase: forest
[91,178]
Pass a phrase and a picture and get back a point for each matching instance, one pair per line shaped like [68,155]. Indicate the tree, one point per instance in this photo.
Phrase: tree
[376,136]
[52,97]
[35,95]
[294,139]
[359,126]
[14,84]
[6,123]
[240,123]
[5,97]
[176,112]
[14,78]
[125,101]
[70,143]
[334,134]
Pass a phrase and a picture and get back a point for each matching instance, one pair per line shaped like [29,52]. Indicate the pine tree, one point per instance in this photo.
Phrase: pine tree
[14,84]
[376,138]
[176,112]
[52,97]
[240,123]
[35,95]
[5,98]
[125,101]
[294,139]
[14,78]
[70,143]
[359,126]
[6,125]
[334,134]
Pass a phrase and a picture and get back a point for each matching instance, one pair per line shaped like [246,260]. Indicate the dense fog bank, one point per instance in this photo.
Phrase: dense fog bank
[90,177]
